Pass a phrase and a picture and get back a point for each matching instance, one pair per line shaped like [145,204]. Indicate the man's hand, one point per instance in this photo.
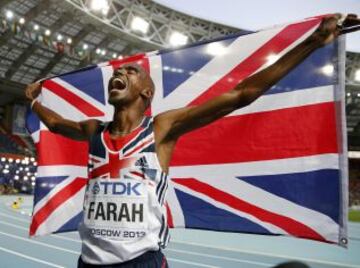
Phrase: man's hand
[332,26]
[32,91]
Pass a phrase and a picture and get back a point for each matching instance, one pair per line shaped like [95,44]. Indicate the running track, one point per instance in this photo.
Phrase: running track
[188,248]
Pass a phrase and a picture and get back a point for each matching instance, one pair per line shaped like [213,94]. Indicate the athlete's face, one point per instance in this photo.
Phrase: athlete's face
[127,84]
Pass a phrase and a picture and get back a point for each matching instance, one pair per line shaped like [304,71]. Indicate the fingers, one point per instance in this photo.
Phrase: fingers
[350,29]
[33,90]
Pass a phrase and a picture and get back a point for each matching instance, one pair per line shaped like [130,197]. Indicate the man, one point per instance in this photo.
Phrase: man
[124,215]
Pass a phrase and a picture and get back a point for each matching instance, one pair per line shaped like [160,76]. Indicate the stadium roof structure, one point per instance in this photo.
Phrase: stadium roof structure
[38,47]
[41,38]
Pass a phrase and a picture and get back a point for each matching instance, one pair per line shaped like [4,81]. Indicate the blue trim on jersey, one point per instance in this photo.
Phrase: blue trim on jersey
[142,135]
[97,147]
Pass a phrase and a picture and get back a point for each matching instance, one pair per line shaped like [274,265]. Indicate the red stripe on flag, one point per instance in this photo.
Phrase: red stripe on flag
[256,60]
[56,201]
[83,106]
[169,216]
[290,225]
[138,58]
[285,133]
[99,171]
[58,150]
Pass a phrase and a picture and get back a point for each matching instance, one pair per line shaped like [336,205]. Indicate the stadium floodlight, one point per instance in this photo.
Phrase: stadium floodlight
[3,159]
[16,177]
[215,49]
[85,46]
[5,171]
[328,69]
[33,183]
[9,14]
[178,39]
[69,41]
[98,51]
[120,57]
[47,32]
[59,37]
[33,178]
[139,24]
[357,75]
[36,27]
[22,21]
[100,5]
[17,161]
[114,55]
[10,160]
[26,178]
[103,52]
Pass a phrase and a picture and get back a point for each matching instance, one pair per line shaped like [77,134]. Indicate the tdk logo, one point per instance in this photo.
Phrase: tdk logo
[117,188]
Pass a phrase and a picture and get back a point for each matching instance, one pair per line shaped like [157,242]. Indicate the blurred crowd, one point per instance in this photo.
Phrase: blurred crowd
[17,175]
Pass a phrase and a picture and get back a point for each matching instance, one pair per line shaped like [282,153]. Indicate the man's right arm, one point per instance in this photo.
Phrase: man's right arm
[55,122]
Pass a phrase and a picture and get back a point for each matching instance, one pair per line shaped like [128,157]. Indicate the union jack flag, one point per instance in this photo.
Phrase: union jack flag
[277,166]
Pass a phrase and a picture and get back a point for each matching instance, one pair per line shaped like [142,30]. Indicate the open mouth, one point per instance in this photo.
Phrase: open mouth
[117,84]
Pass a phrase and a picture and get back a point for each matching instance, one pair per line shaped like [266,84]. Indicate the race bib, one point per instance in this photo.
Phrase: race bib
[116,208]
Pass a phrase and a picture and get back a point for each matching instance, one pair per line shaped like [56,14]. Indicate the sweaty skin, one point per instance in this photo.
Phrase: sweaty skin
[131,90]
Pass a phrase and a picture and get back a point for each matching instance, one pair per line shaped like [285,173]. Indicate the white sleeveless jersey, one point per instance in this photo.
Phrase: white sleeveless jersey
[124,211]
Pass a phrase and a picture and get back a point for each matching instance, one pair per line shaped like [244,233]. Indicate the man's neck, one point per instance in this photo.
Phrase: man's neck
[125,121]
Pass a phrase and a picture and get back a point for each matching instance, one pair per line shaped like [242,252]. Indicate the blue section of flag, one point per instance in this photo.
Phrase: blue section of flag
[202,215]
[32,121]
[44,185]
[311,71]
[317,190]
[71,224]
[89,81]
[180,64]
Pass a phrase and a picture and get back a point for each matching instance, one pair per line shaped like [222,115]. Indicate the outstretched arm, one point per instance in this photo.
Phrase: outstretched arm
[55,122]
[180,121]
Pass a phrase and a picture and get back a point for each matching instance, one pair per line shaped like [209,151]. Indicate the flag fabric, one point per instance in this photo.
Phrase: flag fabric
[277,166]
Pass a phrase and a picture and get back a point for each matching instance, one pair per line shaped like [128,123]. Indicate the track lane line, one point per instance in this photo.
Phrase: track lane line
[253,252]
[220,257]
[27,229]
[30,258]
[192,263]
[40,243]
[78,253]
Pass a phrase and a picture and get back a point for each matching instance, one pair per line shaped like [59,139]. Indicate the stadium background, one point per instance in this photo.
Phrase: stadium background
[42,38]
